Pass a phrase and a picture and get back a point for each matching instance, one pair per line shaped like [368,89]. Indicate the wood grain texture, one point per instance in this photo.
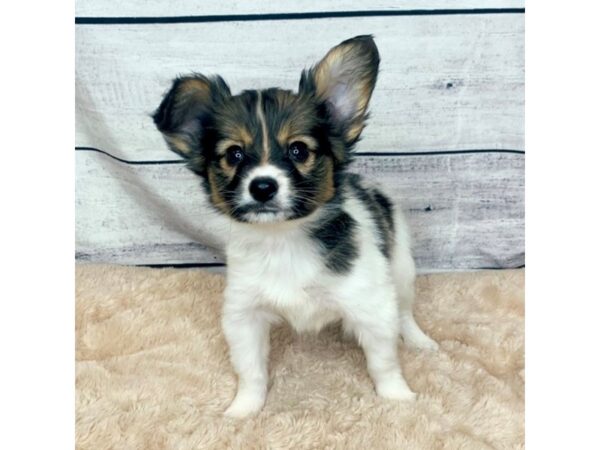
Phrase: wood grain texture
[148,8]
[466,210]
[446,82]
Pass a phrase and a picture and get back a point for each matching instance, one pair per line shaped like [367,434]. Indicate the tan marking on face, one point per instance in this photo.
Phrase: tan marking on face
[263,125]
[239,134]
[215,194]
[221,150]
[224,144]
[305,167]
[284,134]
[310,141]
[326,188]
[228,170]
[244,135]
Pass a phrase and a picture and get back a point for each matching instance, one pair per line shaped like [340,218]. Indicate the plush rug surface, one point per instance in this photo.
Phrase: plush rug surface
[153,370]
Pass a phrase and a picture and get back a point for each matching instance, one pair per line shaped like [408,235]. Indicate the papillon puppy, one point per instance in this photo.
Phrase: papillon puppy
[309,243]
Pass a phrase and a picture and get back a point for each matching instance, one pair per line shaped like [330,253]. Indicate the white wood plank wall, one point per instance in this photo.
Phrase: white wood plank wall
[445,137]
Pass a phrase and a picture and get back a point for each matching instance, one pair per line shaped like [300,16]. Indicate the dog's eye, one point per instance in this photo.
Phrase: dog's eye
[234,155]
[298,151]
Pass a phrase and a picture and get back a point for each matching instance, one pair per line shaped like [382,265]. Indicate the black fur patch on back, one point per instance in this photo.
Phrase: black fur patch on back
[336,238]
[381,210]
[386,208]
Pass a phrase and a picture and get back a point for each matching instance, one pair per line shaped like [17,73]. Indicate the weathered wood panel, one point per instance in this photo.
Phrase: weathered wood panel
[149,8]
[447,82]
[466,210]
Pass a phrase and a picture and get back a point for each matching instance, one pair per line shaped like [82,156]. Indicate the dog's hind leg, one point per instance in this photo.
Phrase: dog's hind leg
[403,274]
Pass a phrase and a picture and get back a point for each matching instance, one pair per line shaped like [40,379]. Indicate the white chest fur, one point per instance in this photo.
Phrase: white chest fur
[281,271]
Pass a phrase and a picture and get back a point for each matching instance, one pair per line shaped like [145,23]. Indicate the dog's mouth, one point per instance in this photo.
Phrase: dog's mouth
[260,213]
[265,210]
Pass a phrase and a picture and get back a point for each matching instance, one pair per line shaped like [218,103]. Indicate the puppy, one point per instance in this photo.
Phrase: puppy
[310,243]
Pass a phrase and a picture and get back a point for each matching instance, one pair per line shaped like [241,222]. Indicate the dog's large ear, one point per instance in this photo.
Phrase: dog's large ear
[345,79]
[185,110]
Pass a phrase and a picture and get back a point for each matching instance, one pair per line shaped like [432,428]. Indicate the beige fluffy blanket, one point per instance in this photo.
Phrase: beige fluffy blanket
[153,371]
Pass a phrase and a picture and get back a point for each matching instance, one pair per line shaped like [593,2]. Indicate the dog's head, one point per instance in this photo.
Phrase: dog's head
[273,155]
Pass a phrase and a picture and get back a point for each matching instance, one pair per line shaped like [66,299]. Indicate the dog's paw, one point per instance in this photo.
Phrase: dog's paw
[395,390]
[421,342]
[245,404]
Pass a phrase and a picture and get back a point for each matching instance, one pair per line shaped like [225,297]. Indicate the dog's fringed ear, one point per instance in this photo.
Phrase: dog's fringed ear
[184,111]
[345,79]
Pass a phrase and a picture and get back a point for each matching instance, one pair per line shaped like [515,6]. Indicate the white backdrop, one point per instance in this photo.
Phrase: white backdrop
[445,135]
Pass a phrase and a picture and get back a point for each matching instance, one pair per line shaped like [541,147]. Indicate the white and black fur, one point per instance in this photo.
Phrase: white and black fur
[308,243]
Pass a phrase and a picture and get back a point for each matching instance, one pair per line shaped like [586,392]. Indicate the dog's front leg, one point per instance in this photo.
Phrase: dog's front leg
[382,363]
[247,332]
[372,316]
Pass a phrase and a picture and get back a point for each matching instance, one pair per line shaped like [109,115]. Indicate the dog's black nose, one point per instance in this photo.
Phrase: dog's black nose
[263,189]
